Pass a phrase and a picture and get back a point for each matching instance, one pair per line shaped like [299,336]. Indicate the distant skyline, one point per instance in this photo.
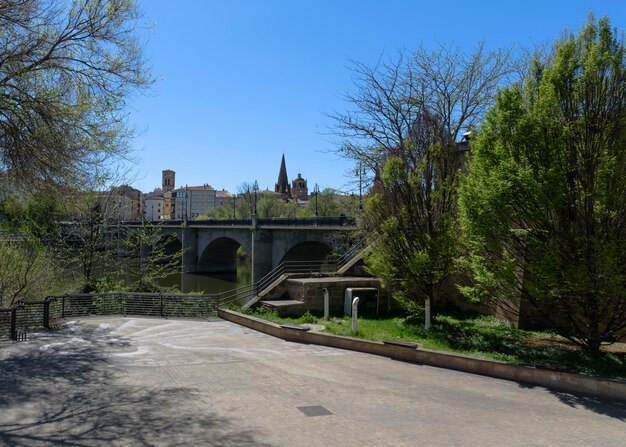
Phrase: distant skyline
[240,83]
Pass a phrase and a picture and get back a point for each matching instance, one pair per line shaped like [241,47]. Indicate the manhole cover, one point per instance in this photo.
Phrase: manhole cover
[314,410]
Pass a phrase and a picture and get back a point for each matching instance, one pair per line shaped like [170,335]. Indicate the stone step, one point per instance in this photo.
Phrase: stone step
[282,303]
[285,307]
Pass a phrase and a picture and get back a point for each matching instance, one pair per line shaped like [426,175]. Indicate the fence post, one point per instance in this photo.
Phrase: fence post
[18,305]
[122,303]
[46,312]
[14,324]
[161,298]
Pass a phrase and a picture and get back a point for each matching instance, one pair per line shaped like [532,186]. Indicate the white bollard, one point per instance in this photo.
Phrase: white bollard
[355,324]
[326,303]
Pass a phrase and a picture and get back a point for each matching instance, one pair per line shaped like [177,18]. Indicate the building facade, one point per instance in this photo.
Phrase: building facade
[125,203]
[190,202]
[168,180]
[223,198]
[299,188]
[168,184]
[154,206]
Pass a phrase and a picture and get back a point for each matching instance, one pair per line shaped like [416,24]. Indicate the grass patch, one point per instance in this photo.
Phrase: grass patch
[481,336]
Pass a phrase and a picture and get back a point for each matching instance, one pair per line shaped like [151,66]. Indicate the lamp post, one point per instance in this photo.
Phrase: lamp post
[254,279]
[316,190]
[360,174]
[255,188]
[186,204]
[234,205]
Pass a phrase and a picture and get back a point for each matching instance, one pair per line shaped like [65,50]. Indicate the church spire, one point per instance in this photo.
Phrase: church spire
[282,186]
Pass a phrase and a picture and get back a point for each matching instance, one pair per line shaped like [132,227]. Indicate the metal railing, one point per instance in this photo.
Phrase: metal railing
[248,292]
[325,221]
[320,221]
[25,316]
[351,252]
[243,294]
[22,317]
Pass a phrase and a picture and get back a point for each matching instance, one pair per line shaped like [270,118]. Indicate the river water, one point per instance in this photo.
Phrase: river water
[209,282]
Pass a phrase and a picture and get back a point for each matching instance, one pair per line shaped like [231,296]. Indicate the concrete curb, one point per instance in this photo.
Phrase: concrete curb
[562,381]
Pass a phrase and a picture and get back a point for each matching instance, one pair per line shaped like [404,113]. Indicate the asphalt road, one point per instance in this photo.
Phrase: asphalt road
[155,382]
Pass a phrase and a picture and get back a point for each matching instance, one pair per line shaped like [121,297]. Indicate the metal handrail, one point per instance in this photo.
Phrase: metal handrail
[351,252]
[290,267]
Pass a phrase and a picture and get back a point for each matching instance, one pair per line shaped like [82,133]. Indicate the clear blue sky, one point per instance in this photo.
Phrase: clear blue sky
[242,82]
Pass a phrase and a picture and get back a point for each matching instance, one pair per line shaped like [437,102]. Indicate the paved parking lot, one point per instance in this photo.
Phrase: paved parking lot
[154,382]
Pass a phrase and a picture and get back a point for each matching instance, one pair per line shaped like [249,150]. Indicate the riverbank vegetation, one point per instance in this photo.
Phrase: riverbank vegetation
[480,336]
[533,217]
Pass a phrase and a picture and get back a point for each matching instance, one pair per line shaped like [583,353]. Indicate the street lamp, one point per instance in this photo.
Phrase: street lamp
[316,190]
[234,205]
[360,174]
[186,204]
[255,188]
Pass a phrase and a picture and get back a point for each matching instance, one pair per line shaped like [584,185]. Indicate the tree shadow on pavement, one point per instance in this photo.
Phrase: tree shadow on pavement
[614,409]
[67,394]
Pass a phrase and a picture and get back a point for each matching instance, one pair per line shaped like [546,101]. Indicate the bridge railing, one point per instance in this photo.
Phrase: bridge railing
[320,221]
[325,221]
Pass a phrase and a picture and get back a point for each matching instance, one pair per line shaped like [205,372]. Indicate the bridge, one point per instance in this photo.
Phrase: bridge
[211,246]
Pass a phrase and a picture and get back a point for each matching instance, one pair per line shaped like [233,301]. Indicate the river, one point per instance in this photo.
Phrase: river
[209,282]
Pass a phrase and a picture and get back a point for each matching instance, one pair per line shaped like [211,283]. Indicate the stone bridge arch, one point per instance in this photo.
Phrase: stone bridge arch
[307,251]
[217,250]
[301,246]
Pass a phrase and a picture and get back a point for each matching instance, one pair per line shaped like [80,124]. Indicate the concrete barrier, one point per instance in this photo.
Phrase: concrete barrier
[557,380]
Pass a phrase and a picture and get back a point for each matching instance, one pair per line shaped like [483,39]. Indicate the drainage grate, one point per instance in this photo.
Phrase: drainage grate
[314,410]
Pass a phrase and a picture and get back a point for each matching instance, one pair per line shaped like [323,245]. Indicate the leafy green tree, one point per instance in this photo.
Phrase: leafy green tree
[43,213]
[270,205]
[84,244]
[27,272]
[66,68]
[149,258]
[544,205]
[219,212]
[329,202]
[406,119]
[12,213]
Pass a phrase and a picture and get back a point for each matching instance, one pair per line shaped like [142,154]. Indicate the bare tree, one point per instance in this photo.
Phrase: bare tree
[27,272]
[406,118]
[66,68]
[391,97]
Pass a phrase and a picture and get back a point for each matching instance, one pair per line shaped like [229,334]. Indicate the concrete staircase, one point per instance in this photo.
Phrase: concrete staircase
[270,291]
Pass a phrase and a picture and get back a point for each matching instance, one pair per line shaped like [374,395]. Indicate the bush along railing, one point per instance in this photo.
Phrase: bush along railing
[16,320]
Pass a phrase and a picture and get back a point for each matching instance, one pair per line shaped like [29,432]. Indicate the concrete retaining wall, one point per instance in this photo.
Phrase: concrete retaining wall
[574,383]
